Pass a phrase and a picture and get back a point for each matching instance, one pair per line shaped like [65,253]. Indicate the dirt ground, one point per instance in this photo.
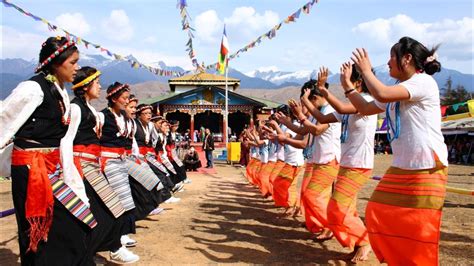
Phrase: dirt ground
[221,219]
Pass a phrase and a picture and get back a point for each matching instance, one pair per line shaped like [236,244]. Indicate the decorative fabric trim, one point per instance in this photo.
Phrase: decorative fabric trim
[87,80]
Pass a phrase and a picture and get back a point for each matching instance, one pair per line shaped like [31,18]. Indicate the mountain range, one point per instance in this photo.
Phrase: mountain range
[13,71]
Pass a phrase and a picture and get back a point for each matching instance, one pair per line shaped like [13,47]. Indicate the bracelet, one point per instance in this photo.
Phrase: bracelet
[349,91]
[302,120]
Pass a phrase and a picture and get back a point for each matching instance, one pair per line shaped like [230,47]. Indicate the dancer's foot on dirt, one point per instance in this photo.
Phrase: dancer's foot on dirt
[326,234]
[361,254]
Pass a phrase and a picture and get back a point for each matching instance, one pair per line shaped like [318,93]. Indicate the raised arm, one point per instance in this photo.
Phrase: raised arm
[298,141]
[285,120]
[339,106]
[379,91]
[322,118]
[363,107]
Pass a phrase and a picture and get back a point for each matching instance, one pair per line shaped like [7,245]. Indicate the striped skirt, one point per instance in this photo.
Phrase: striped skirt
[96,179]
[316,196]
[264,176]
[343,219]
[142,173]
[403,215]
[116,173]
[284,186]
[275,171]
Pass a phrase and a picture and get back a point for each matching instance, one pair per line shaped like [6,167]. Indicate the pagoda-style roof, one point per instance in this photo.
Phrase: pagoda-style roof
[203,79]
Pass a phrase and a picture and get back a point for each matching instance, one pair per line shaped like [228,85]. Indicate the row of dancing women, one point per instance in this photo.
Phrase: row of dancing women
[403,215]
[81,179]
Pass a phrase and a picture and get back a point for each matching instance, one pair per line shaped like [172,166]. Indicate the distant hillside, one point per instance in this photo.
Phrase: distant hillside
[13,71]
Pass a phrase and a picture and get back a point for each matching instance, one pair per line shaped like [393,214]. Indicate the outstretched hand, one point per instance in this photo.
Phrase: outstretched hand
[345,78]
[282,118]
[323,75]
[296,108]
[360,57]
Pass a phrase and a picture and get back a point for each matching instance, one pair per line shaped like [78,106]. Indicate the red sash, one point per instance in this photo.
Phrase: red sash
[39,198]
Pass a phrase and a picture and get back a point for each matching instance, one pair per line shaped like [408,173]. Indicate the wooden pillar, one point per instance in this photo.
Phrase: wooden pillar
[191,128]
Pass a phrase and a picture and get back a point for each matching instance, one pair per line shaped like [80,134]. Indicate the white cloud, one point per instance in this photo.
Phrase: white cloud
[208,27]
[244,25]
[455,36]
[246,22]
[117,26]
[74,23]
[150,40]
[16,44]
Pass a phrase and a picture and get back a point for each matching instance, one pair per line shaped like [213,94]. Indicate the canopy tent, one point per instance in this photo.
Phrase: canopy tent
[459,126]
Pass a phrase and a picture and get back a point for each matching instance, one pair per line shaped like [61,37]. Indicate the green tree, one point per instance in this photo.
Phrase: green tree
[455,95]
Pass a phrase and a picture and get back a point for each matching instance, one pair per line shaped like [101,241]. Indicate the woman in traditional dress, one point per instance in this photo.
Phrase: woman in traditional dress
[144,183]
[357,161]
[403,215]
[37,115]
[80,150]
[113,140]
[146,152]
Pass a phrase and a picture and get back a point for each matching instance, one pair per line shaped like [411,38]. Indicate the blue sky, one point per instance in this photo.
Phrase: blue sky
[151,30]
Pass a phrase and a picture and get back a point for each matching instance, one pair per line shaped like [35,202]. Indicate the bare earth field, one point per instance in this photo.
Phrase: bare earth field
[221,219]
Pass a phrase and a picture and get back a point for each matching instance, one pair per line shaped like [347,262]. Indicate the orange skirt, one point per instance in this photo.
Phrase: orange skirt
[275,171]
[403,215]
[256,170]
[284,186]
[316,196]
[249,169]
[343,219]
[264,174]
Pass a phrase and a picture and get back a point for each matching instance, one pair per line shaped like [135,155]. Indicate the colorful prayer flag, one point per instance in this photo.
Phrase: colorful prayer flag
[222,64]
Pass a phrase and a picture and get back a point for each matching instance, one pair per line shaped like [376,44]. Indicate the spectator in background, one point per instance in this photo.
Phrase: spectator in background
[191,161]
[208,147]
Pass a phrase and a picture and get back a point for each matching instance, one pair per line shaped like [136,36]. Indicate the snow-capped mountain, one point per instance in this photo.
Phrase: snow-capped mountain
[13,71]
[281,77]
[382,72]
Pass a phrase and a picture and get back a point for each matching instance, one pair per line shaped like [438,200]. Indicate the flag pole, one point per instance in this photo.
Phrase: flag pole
[226,106]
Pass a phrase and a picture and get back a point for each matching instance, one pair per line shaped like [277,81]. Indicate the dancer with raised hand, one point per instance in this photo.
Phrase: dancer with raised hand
[284,186]
[80,151]
[37,113]
[357,161]
[403,215]
[325,158]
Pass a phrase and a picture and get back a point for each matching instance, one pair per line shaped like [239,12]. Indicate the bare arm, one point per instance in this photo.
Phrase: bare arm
[329,118]
[379,91]
[298,141]
[363,107]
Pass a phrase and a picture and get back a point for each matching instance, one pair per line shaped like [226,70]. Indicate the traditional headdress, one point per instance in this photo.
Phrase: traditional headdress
[133,98]
[87,80]
[55,54]
[117,89]
[142,107]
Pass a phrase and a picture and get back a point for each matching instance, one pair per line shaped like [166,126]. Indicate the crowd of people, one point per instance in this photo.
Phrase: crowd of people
[81,179]
[333,143]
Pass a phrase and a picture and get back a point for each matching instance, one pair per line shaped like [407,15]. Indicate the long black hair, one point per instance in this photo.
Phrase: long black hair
[420,54]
